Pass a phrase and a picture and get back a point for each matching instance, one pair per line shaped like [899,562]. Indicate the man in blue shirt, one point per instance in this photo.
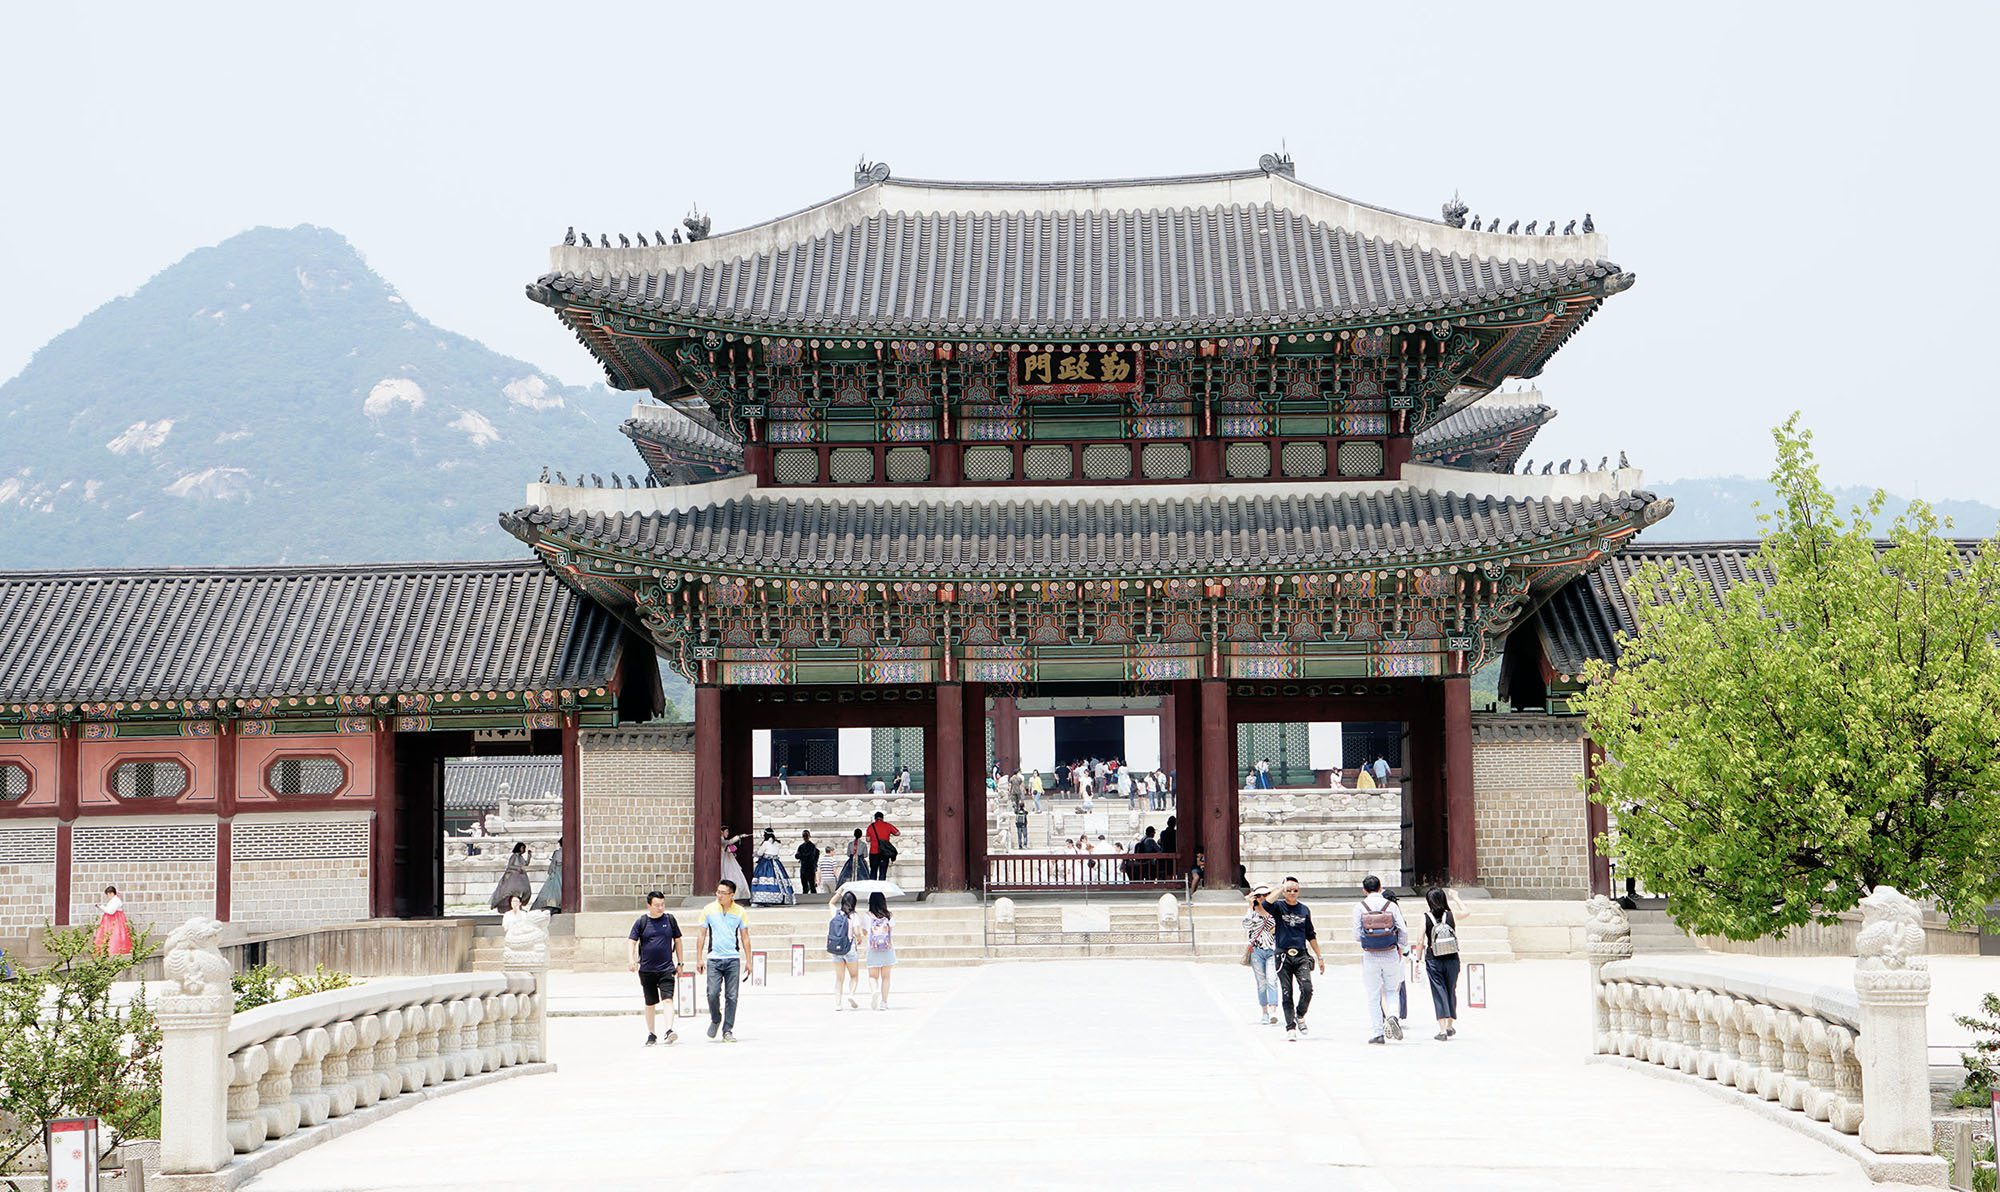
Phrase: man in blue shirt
[1298,954]
[720,948]
[655,954]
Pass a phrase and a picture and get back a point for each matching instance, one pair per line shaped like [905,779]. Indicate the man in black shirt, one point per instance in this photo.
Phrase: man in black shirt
[808,856]
[655,955]
[1298,954]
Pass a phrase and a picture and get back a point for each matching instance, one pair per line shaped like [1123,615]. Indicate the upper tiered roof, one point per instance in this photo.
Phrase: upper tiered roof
[1488,436]
[1205,255]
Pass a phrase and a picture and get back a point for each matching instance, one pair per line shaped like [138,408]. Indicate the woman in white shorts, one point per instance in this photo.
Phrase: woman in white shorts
[881,946]
[846,965]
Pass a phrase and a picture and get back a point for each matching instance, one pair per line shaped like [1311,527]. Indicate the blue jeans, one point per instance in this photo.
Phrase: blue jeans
[1265,975]
[725,974]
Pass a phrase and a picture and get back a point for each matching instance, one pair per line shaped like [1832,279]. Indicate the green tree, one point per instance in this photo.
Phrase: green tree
[1775,755]
[70,1047]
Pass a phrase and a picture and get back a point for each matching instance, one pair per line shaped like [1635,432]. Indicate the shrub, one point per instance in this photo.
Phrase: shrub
[1982,1063]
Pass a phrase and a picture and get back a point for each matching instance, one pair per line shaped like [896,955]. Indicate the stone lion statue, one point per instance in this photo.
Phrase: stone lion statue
[194,958]
[1604,917]
[1892,930]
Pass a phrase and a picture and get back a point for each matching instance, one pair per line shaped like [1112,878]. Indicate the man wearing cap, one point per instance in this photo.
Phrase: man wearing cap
[1298,954]
[1260,952]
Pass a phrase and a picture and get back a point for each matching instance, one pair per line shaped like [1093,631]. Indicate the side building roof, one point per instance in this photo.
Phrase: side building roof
[259,632]
[479,783]
[1490,435]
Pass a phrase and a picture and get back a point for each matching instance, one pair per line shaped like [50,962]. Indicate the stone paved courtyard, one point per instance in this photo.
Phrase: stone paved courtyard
[1087,1074]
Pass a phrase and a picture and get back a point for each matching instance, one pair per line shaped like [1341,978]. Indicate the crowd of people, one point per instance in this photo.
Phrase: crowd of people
[867,856]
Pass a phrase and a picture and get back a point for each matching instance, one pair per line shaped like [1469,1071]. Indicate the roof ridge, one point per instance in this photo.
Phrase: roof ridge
[197,570]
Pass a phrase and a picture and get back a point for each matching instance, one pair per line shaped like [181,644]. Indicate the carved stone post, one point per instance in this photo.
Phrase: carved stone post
[432,1062]
[1894,984]
[361,1061]
[1607,936]
[526,950]
[1771,1057]
[194,1064]
[308,1079]
[1749,1051]
[1791,1036]
[1846,1114]
[246,1068]
[1818,1040]
[388,1078]
[1724,1008]
[339,1084]
[274,1091]
[409,1048]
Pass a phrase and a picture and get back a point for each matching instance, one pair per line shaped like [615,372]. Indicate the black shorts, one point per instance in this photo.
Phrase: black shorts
[659,987]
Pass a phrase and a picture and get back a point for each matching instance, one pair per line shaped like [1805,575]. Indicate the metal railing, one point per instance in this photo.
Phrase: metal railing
[1027,873]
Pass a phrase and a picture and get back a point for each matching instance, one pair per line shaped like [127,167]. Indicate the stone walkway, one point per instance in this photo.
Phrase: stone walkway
[1087,1074]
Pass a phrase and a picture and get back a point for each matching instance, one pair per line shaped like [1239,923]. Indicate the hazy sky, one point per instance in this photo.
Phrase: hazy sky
[1805,192]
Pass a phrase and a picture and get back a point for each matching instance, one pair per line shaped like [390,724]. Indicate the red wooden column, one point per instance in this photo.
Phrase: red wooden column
[1461,829]
[944,794]
[1207,460]
[225,808]
[757,462]
[69,802]
[572,817]
[1219,833]
[977,766]
[383,863]
[1400,448]
[1596,820]
[1185,769]
[739,796]
[1006,734]
[707,789]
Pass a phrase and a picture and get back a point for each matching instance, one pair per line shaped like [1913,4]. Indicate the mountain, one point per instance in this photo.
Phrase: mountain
[272,399]
[1709,510]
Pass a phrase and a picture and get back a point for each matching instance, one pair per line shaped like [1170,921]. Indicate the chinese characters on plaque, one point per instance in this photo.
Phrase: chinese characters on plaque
[1076,369]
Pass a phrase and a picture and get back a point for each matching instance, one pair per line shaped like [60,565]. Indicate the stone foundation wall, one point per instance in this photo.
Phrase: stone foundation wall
[27,877]
[291,871]
[638,815]
[1330,838]
[164,870]
[1531,829]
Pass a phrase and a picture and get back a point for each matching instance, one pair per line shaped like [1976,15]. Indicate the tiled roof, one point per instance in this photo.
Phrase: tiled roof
[671,427]
[203,633]
[479,783]
[1489,435]
[1093,272]
[971,540]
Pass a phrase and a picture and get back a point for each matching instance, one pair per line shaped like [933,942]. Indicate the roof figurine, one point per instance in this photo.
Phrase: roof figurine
[642,239]
[697,224]
[1516,226]
[624,241]
[1277,163]
[868,173]
[586,240]
[1454,211]
[569,237]
[1589,224]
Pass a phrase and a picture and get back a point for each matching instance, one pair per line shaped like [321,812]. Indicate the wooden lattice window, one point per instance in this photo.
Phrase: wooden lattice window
[851,465]
[1303,458]
[1357,458]
[13,782]
[1107,461]
[149,780]
[1166,461]
[1247,461]
[795,465]
[908,465]
[305,776]
[1045,462]
[987,464]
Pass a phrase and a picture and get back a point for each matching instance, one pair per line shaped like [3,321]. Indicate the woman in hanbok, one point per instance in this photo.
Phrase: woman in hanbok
[732,869]
[513,882]
[550,899]
[771,884]
[113,936]
[857,861]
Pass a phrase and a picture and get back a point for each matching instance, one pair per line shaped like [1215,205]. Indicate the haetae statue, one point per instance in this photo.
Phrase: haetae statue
[194,958]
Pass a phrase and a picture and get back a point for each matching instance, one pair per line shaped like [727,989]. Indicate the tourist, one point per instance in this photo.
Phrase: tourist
[1402,978]
[1381,771]
[772,885]
[1297,945]
[881,850]
[1151,868]
[807,855]
[881,946]
[1379,929]
[857,861]
[844,933]
[1123,778]
[1160,790]
[784,787]
[1035,789]
[1260,952]
[1363,780]
[903,781]
[1170,836]
[1264,774]
[720,947]
[1440,952]
[514,881]
[113,936]
[1081,777]
[878,788]
[731,867]
[1199,870]
[1020,823]
[550,897]
[655,955]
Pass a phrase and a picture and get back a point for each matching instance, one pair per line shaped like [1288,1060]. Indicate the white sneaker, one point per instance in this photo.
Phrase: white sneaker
[836,1005]
[1291,1036]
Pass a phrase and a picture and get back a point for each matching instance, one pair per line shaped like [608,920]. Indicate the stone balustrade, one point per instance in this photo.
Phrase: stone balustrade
[234,1084]
[1853,1057]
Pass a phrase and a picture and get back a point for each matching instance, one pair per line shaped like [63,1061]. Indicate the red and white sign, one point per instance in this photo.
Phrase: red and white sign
[72,1148]
[684,994]
[757,960]
[1475,986]
[798,960]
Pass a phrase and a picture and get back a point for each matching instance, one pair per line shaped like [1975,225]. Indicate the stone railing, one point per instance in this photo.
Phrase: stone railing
[234,1083]
[1854,1058]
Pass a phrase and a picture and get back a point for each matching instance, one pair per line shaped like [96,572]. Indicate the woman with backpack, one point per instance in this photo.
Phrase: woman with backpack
[881,946]
[844,935]
[1441,960]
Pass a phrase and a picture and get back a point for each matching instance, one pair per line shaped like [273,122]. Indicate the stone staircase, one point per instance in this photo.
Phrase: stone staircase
[1653,933]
